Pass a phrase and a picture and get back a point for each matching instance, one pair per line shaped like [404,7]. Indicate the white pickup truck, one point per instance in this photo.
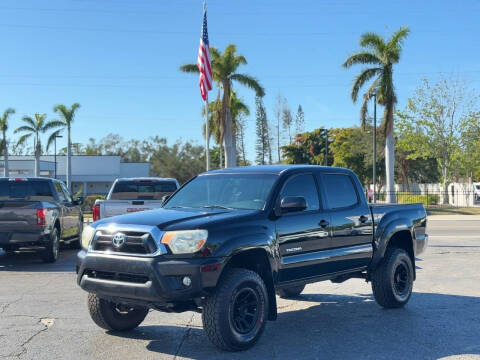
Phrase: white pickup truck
[134,194]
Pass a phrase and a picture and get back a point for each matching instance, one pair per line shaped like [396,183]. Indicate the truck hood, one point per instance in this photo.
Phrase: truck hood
[174,219]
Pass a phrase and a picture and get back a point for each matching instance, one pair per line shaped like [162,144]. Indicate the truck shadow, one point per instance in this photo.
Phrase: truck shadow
[342,327]
[30,261]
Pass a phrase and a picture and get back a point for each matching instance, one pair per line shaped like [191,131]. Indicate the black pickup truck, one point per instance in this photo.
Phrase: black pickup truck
[228,240]
[38,213]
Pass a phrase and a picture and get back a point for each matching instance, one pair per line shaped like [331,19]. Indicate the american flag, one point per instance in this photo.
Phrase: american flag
[203,62]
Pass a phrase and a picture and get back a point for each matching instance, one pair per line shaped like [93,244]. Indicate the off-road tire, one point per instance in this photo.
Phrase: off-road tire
[219,310]
[52,250]
[384,284]
[105,314]
[290,292]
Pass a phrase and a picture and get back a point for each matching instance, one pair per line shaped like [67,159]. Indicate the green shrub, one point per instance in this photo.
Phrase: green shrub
[409,198]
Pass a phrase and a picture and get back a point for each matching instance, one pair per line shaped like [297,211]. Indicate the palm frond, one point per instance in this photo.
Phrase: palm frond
[189,68]
[362,58]
[394,45]
[29,121]
[373,41]
[361,79]
[52,137]
[53,124]
[23,139]
[249,81]
[24,128]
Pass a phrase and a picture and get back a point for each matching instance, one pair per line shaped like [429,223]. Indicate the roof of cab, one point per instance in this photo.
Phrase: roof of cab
[275,169]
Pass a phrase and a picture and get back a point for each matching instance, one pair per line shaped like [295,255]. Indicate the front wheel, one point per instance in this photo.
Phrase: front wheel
[234,316]
[392,281]
[112,316]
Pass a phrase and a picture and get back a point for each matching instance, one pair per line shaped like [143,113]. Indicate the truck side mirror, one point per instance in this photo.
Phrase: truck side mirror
[79,201]
[293,204]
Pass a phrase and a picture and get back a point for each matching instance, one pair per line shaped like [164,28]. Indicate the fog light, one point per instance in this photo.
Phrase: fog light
[187,281]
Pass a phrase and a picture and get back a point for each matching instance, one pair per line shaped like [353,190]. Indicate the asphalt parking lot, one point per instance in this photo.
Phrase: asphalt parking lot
[43,314]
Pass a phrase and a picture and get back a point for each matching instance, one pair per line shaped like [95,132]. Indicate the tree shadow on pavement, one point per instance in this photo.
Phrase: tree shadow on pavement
[325,326]
[30,261]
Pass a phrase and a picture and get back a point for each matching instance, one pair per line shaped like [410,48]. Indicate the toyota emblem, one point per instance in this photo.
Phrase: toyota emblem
[118,240]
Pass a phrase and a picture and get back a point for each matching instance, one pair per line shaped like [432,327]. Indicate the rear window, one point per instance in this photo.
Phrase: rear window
[142,190]
[339,191]
[26,190]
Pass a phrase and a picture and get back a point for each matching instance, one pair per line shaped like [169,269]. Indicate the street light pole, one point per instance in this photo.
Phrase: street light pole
[55,152]
[374,147]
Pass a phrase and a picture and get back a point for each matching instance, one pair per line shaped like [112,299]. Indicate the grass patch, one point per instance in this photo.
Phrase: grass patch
[453,211]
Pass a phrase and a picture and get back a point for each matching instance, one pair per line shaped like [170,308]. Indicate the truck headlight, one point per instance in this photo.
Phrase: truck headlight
[185,241]
[87,236]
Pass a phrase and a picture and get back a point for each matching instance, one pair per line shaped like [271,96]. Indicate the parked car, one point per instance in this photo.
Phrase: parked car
[38,213]
[229,239]
[476,191]
[134,194]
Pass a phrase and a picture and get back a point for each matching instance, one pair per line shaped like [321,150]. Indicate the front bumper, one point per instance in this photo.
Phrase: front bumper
[155,281]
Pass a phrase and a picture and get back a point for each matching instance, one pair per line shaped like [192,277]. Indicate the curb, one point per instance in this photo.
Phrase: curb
[453,217]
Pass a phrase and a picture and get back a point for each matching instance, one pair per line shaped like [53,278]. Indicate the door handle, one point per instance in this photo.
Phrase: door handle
[323,223]
[363,218]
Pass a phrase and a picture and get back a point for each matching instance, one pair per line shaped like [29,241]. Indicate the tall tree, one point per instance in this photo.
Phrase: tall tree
[278,117]
[438,122]
[240,135]
[4,128]
[287,121]
[224,69]
[34,127]
[262,146]
[67,116]
[381,54]
[299,121]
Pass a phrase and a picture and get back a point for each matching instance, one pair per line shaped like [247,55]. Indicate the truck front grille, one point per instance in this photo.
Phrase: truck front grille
[132,243]
[107,275]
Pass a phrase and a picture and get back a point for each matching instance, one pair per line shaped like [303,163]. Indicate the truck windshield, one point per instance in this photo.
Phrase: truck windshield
[142,190]
[237,191]
[25,190]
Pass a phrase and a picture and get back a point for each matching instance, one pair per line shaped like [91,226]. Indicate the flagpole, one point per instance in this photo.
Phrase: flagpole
[207,135]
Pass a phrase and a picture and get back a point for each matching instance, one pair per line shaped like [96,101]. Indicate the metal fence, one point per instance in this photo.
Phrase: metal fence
[451,198]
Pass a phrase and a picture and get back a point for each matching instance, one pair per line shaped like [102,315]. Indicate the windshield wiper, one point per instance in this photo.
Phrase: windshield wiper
[217,207]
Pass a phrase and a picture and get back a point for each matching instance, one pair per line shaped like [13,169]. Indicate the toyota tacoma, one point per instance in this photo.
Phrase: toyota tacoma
[229,240]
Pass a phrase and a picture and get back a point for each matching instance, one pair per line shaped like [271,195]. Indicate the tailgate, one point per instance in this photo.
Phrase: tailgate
[18,215]
[109,208]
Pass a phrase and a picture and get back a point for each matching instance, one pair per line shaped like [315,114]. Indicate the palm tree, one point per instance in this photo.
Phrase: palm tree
[224,69]
[67,116]
[35,127]
[381,55]
[4,128]
[216,125]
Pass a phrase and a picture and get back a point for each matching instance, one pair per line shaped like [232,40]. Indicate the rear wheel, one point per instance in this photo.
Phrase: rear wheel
[50,253]
[392,281]
[234,316]
[112,316]
[290,292]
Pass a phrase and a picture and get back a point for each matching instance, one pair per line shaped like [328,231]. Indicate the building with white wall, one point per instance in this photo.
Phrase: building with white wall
[90,173]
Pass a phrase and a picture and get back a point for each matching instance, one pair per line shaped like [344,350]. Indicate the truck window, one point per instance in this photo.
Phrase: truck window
[25,190]
[61,195]
[339,191]
[142,190]
[302,185]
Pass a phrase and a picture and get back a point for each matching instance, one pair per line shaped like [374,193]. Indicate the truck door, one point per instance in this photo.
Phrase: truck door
[350,220]
[301,234]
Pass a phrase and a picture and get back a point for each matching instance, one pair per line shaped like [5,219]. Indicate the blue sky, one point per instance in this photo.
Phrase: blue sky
[119,58]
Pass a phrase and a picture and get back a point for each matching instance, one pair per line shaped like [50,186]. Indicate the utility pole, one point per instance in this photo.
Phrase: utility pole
[55,152]
[374,147]
[326,147]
